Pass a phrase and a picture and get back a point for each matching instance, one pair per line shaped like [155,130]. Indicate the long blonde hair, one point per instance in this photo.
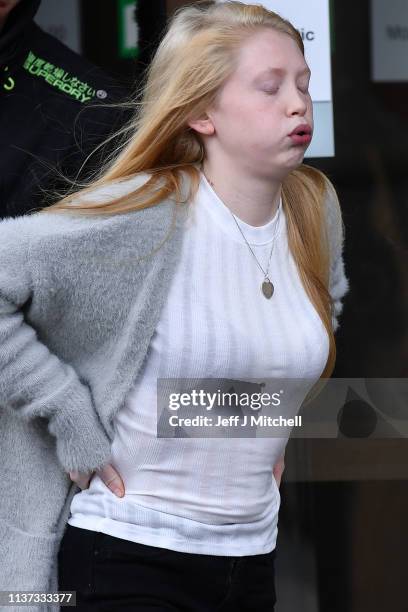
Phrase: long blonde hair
[195,57]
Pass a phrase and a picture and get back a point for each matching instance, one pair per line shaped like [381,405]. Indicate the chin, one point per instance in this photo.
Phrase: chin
[298,160]
[293,164]
[283,167]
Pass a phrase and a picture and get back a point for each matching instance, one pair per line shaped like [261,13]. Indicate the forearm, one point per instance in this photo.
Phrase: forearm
[34,382]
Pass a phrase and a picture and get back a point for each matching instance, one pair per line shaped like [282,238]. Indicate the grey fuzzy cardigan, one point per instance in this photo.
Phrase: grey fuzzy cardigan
[80,298]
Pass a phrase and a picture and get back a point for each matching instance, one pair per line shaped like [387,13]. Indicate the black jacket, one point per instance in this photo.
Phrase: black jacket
[51,113]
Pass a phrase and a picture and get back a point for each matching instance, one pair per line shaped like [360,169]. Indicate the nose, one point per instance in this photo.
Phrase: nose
[297,103]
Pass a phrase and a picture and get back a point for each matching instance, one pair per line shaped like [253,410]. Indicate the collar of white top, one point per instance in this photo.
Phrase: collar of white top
[221,214]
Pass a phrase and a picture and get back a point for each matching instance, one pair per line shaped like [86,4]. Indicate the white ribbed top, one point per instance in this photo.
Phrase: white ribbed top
[208,495]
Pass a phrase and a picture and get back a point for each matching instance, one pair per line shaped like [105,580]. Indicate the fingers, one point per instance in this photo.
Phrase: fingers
[108,475]
[81,479]
[112,479]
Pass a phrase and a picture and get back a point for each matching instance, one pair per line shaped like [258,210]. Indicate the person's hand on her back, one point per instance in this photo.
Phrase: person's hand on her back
[107,474]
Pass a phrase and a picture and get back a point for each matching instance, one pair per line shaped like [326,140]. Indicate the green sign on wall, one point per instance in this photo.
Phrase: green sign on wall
[128,29]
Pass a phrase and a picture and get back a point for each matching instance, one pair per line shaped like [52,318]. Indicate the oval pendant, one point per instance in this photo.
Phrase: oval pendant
[267,288]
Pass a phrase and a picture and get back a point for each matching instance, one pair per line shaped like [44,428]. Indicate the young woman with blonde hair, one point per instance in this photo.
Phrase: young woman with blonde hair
[205,249]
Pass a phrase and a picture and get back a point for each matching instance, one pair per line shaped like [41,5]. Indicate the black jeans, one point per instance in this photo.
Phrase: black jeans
[110,574]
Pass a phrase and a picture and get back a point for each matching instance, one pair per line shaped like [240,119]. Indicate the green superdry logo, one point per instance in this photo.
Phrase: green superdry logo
[9,82]
[61,79]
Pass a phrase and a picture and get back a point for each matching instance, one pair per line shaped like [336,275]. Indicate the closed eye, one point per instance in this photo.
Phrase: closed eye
[305,87]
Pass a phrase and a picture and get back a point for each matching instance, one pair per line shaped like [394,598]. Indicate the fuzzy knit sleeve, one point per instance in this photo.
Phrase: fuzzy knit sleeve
[338,285]
[34,382]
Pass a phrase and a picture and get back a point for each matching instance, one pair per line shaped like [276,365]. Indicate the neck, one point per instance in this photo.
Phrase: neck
[251,199]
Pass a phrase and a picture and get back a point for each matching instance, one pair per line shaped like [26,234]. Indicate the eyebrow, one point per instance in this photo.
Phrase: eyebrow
[280,71]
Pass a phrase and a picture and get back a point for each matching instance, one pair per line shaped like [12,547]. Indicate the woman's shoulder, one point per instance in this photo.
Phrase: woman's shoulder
[334,217]
[45,223]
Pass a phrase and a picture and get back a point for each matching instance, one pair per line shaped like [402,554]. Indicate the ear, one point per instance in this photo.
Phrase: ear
[203,125]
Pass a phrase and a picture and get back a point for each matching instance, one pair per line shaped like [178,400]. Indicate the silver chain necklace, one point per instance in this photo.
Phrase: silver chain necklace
[267,287]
